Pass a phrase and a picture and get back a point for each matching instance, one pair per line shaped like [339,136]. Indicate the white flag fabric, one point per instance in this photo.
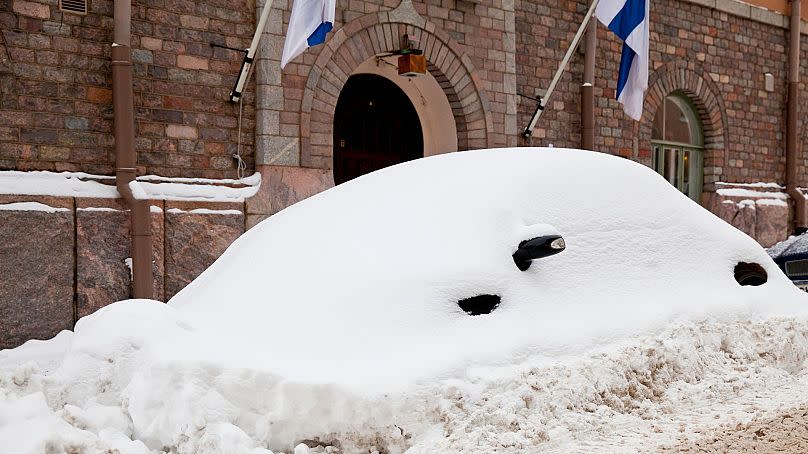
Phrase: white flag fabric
[309,23]
[628,19]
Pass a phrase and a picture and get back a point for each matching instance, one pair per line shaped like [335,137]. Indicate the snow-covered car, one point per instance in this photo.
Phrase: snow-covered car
[441,305]
[791,256]
[387,262]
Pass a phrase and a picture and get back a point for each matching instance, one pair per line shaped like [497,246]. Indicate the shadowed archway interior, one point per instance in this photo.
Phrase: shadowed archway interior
[375,126]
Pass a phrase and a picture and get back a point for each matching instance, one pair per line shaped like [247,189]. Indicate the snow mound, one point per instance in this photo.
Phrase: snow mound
[336,323]
[377,266]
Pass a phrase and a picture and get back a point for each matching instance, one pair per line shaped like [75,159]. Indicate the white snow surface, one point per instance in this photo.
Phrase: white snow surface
[64,184]
[29,206]
[204,211]
[336,320]
[252,180]
[102,209]
[742,192]
[760,184]
[145,190]
[79,184]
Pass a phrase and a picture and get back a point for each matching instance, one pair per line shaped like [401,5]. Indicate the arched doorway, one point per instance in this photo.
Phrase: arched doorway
[375,126]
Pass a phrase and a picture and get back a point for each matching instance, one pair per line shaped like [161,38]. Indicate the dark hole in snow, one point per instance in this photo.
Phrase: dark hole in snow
[480,304]
[750,274]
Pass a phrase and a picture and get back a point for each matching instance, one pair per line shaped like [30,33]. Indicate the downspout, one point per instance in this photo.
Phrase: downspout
[791,126]
[588,89]
[123,111]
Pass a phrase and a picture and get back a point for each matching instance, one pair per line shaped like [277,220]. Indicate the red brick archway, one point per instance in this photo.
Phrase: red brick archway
[370,35]
[705,96]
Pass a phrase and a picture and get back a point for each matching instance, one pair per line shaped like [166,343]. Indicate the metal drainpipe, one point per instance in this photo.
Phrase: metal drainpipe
[588,89]
[791,127]
[123,110]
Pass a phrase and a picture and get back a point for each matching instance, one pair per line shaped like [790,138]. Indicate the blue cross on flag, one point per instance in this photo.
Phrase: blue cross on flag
[628,19]
[309,23]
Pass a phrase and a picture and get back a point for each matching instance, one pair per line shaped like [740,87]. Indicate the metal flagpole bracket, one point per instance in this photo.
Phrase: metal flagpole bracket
[235,94]
[539,107]
[573,45]
[249,55]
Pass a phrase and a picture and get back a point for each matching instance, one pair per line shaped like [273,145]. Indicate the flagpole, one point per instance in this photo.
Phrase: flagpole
[249,54]
[573,45]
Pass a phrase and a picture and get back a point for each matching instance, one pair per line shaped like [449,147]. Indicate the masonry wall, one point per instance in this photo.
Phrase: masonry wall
[729,53]
[55,87]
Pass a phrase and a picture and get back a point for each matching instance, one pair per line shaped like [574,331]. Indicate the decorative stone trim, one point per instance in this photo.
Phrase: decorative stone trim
[705,96]
[374,34]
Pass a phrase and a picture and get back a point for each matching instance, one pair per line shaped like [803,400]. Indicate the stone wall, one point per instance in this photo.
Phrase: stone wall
[55,86]
[68,258]
[37,264]
[760,212]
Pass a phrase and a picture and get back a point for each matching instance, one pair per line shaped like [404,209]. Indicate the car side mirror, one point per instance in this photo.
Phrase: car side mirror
[536,248]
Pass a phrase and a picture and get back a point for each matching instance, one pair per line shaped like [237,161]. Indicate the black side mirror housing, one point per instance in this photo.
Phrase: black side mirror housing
[536,248]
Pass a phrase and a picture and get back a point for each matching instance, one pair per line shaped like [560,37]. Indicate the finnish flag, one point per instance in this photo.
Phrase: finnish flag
[628,19]
[310,21]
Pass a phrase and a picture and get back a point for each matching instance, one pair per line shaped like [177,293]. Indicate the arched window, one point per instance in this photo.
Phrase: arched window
[678,145]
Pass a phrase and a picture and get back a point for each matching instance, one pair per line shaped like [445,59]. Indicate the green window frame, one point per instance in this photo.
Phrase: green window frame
[677,143]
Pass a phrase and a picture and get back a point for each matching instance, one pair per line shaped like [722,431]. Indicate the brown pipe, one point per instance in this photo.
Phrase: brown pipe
[588,89]
[124,120]
[792,144]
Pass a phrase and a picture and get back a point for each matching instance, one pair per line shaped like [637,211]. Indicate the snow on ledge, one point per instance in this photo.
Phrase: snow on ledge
[204,211]
[252,180]
[98,209]
[30,206]
[774,202]
[154,187]
[64,184]
[760,185]
[741,192]
[195,191]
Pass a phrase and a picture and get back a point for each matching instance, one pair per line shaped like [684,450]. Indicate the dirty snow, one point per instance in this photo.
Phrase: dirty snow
[334,323]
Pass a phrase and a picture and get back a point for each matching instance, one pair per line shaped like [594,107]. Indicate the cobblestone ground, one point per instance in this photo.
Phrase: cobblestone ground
[785,433]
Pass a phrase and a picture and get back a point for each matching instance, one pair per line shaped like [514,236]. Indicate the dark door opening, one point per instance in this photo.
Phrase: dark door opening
[375,126]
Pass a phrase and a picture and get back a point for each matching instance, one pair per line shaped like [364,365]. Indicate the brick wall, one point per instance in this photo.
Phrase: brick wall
[731,52]
[56,86]
[56,100]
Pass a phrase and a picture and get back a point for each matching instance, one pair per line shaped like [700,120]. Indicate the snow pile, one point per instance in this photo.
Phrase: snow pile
[336,322]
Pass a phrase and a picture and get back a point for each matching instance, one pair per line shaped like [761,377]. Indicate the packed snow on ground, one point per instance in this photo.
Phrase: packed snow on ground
[335,324]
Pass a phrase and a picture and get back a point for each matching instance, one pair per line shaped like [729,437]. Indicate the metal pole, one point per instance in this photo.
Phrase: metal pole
[249,56]
[792,143]
[574,45]
[125,157]
[588,89]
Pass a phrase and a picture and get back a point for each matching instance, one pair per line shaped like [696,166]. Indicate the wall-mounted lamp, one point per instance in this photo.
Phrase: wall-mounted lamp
[411,60]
